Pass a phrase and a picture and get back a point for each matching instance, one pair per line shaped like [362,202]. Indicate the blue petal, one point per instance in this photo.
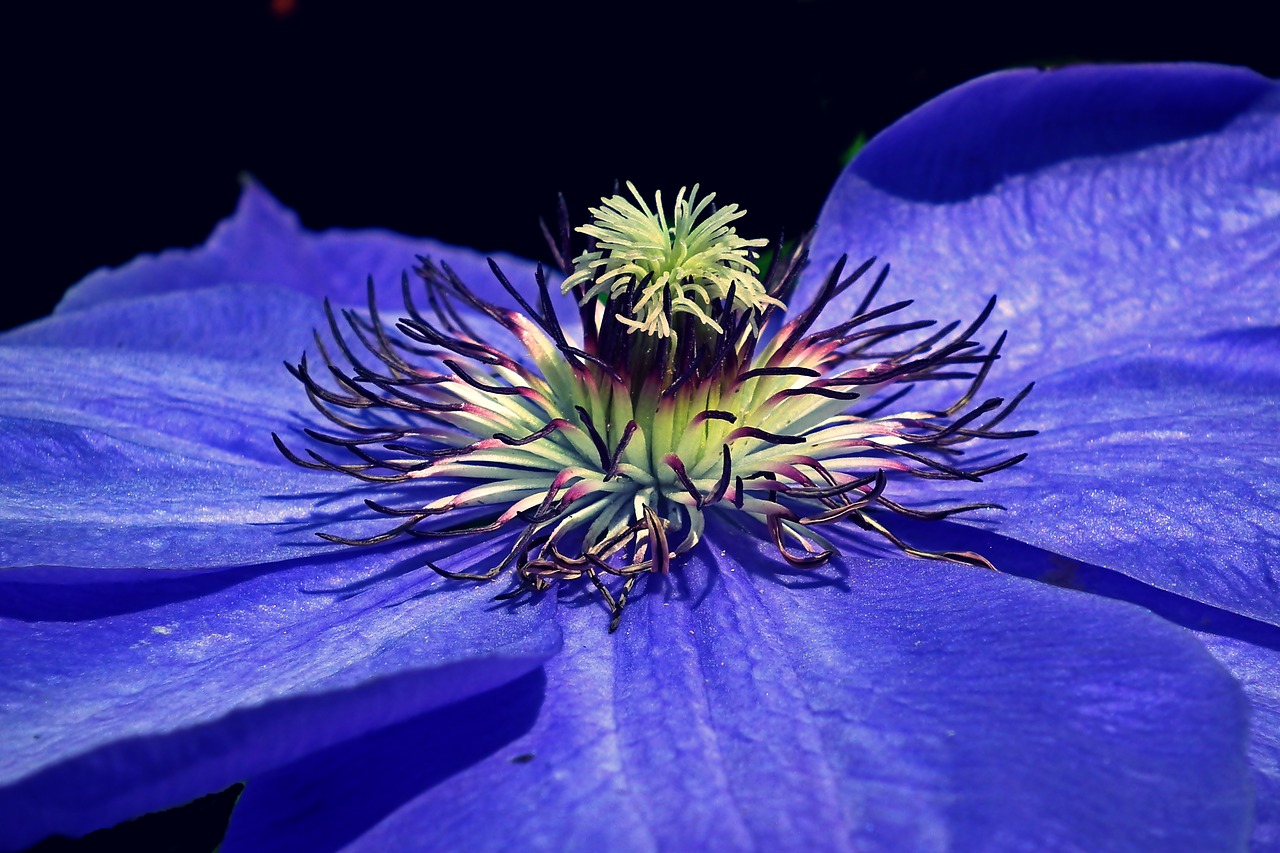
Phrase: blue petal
[263,243]
[73,497]
[206,409]
[911,706]
[256,324]
[1255,662]
[127,459]
[118,699]
[259,326]
[1162,466]
[333,796]
[209,311]
[1106,206]
[1246,648]
[1020,122]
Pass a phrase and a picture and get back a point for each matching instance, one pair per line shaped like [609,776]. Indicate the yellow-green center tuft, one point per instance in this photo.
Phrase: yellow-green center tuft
[655,271]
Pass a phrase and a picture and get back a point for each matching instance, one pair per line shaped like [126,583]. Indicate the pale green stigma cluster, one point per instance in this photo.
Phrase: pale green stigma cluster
[658,270]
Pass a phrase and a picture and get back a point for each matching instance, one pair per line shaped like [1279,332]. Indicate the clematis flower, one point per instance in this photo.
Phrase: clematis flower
[172,624]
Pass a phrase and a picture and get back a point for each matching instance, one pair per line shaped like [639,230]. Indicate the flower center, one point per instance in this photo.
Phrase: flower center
[681,284]
[607,457]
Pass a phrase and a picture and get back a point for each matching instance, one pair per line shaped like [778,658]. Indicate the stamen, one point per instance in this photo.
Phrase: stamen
[598,454]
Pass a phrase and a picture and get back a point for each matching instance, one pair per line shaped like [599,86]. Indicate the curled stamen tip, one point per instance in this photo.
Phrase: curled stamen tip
[972,558]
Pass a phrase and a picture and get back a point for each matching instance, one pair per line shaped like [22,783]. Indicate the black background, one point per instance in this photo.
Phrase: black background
[128,128]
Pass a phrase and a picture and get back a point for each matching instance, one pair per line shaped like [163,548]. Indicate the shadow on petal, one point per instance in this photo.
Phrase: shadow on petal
[329,799]
[1017,122]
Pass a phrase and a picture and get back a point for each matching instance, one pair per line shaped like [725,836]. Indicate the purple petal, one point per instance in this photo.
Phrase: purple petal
[263,243]
[355,784]
[118,699]
[1257,667]
[133,449]
[255,324]
[921,707]
[1020,122]
[1247,648]
[74,497]
[258,325]
[205,409]
[1106,206]
[148,460]
[1161,466]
